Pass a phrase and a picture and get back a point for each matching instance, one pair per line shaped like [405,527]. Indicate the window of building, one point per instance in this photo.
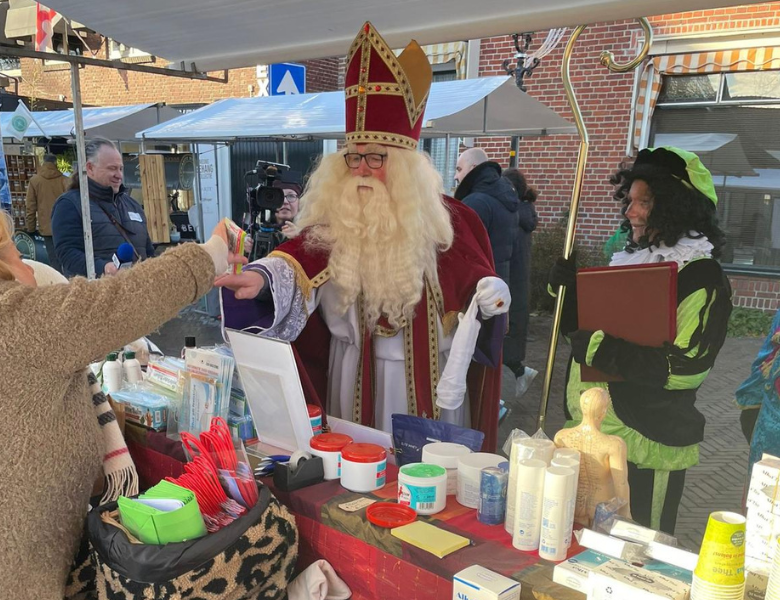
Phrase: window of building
[732,121]
[437,147]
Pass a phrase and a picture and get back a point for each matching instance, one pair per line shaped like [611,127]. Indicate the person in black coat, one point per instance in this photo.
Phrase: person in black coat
[520,282]
[482,188]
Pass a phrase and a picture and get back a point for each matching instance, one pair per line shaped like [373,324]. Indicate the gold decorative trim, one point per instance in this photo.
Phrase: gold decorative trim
[365,59]
[302,280]
[437,296]
[381,137]
[411,393]
[357,400]
[433,347]
[385,89]
[389,332]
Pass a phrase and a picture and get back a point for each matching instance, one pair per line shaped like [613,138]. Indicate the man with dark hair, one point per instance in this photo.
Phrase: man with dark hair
[45,187]
[116,217]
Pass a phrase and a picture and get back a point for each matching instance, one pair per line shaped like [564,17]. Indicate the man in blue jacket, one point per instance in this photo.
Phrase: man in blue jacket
[116,217]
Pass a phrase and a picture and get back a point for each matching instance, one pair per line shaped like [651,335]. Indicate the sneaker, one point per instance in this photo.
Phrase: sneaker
[525,380]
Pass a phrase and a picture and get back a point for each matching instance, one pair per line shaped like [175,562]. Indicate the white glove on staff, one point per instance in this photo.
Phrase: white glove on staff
[493,297]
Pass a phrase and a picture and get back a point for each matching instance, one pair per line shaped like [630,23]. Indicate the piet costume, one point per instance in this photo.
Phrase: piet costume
[366,375]
[653,408]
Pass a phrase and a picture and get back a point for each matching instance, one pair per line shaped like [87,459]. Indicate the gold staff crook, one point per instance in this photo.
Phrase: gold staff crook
[608,60]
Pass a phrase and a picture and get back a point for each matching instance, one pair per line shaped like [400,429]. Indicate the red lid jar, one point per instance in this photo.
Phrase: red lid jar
[330,442]
[363,453]
[314,411]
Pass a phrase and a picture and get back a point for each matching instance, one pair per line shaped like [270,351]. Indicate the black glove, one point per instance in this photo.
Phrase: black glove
[580,340]
[564,272]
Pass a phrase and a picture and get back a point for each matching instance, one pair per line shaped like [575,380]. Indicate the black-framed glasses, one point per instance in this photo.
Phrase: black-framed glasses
[374,160]
[291,197]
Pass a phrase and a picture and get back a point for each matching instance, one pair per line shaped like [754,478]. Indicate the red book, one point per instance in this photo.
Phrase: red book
[637,303]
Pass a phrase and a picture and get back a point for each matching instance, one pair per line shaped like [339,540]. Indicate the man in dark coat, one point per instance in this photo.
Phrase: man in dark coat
[116,217]
[493,198]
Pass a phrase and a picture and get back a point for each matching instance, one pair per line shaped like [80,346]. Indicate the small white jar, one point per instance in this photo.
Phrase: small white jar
[328,446]
[423,488]
[363,467]
[446,454]
[469,473]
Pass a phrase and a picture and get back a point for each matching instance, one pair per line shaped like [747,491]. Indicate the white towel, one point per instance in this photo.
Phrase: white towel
[451,390]
[318,582]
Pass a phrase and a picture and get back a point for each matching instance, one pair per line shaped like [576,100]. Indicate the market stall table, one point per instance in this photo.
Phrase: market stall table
[377,565]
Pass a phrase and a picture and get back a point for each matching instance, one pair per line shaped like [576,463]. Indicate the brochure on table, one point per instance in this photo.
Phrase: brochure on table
[274,392]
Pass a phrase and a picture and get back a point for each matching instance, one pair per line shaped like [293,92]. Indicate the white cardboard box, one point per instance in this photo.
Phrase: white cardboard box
[611,546]
[479,583]
[574,573]
[622,581]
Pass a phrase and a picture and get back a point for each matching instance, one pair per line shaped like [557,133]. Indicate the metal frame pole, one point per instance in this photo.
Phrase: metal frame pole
[86,221]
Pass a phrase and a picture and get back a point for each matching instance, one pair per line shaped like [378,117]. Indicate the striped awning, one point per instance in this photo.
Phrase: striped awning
[748,59]
[439,54]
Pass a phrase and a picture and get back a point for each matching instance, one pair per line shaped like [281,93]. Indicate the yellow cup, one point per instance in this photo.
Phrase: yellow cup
[722,555]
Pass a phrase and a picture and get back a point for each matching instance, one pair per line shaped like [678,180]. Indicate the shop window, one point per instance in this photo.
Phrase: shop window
[689,88]
[437,147]
[737,136]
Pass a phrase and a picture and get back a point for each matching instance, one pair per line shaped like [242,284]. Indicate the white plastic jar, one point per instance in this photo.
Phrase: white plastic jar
[328,446]
[446,454]
[423,488]
[469,472]
[363,467]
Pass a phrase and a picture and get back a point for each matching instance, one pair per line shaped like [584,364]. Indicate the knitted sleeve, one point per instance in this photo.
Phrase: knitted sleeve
[64,327]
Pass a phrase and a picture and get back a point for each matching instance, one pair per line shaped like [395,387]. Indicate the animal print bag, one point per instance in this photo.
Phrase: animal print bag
[252,558]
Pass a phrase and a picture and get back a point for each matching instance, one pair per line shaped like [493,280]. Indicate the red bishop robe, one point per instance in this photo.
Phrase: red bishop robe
[459,269]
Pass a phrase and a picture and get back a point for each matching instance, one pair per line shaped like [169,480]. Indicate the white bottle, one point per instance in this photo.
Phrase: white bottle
[133,373]
[112,373]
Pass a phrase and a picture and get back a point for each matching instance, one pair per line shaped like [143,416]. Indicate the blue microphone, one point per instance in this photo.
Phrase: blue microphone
[123,259]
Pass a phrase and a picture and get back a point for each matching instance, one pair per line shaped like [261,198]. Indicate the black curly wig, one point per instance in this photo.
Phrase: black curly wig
[678,210]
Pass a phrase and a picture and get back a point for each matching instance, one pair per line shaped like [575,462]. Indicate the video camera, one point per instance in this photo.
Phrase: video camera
[263,200]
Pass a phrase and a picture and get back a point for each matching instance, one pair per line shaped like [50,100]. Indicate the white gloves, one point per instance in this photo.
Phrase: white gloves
[451,389]
[218,251]
[492,296]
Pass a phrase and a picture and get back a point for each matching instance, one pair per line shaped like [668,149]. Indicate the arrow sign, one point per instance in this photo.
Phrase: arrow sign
[286,79]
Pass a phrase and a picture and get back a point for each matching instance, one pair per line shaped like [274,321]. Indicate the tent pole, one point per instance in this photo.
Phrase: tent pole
[86,221]
[447,180]
[608,60]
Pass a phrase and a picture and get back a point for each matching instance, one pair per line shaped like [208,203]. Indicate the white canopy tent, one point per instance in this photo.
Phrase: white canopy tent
[235,33]
[116,123]
[471,107]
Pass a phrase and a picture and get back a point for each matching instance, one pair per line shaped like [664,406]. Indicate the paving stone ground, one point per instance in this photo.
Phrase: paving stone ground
[717,483]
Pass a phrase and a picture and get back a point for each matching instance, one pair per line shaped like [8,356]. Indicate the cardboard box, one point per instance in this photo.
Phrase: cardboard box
[679,557]
[616,580]
[614,547]
[479,583]
[574,573]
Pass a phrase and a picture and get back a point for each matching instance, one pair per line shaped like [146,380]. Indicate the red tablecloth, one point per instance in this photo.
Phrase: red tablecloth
[377,565]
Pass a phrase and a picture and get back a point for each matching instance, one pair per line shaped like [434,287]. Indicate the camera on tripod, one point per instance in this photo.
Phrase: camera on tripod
[263,200]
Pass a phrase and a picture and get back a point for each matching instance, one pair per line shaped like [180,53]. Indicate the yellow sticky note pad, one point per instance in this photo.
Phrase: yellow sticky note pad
[430,538]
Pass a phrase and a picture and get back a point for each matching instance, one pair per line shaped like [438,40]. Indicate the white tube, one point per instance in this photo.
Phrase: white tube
[574,465]
[557,490]
[523,449]
[529,497]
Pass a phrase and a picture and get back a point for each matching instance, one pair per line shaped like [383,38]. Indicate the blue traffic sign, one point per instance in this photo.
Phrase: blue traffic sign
[286,79]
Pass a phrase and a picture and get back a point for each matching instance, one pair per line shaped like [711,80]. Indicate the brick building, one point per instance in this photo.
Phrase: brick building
[109,87]
[712,65]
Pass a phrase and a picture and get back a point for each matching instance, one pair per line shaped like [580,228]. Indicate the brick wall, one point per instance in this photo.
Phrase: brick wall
[605,100]
[109,87]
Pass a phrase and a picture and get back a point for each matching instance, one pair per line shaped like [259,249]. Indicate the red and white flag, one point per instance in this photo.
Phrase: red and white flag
[44,29]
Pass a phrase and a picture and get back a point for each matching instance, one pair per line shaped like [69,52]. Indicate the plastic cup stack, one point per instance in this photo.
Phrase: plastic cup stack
[773,587]
[720,572]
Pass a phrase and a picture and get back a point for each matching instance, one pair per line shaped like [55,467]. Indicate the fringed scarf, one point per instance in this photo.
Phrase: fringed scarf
[118,466]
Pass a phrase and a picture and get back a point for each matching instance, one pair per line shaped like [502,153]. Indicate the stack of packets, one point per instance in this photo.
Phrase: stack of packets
[145,405]
[165,514]
[239,419]
[632,562]
[236,241]
[206,383]
[763,521]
